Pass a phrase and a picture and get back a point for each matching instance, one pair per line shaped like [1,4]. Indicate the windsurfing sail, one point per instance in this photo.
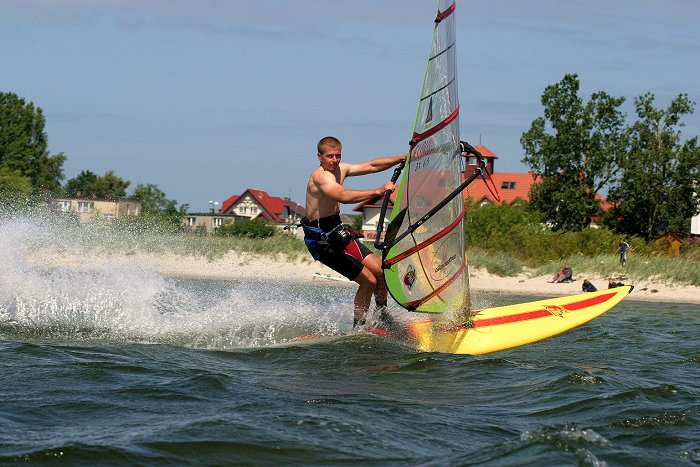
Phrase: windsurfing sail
[424,248]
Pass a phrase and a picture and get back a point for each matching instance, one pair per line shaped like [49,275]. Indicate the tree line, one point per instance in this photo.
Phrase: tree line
[583,151]
[28,171]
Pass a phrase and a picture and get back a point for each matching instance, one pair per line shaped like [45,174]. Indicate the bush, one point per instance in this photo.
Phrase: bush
[515,230]
[251,229]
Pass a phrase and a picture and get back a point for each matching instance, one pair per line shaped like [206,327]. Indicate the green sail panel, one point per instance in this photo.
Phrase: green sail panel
[426,270]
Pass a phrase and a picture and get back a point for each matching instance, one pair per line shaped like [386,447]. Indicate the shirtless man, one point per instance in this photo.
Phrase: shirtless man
[336,247]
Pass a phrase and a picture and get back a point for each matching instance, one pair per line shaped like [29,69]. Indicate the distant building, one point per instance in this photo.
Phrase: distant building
[676,242]
[251,204]
[87,209]
[209,221]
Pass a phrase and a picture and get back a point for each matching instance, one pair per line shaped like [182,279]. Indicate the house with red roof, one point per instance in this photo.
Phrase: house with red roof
[251,204]
[510,186]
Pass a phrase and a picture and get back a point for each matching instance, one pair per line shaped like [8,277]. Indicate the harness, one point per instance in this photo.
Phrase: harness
[321,242]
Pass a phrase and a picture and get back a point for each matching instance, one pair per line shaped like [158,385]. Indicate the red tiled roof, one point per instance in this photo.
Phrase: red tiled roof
[520,183]
[273,208]
[228,204]
[486,152]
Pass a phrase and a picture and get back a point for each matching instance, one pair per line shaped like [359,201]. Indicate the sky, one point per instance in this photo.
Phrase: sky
[206,98]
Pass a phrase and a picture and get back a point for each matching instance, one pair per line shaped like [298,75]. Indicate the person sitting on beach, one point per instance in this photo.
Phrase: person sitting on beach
[565,275]
[329,240]
[612,284]
[587,286]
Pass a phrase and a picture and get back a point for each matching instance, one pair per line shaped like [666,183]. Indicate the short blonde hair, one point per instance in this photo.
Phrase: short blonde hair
[328,141]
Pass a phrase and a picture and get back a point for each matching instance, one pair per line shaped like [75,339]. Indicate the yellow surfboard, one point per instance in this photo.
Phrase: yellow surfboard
[505,327]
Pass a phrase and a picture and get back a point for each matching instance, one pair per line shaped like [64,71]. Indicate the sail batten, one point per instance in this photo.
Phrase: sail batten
[424,260]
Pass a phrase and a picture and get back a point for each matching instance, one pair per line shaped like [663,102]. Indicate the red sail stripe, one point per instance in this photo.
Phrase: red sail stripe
[425,243]
[416,303]
[542,313]
[418,137]
[444,14]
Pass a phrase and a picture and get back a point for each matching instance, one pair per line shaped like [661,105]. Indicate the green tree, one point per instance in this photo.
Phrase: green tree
[574,149]
[90,185]
[155,204]
[152,199]
[23,144]
[14,187]
[656,193]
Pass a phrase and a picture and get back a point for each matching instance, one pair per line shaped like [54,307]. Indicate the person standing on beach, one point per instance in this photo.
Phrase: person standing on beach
[623,246]
[329,240]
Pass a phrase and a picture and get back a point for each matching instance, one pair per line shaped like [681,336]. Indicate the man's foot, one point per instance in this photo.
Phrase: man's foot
[382,319]
[356,323]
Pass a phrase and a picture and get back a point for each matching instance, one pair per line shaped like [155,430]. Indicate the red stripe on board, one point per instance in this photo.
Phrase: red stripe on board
[590,301]
[512,318]
[444,14]
[416,303]
[427,242]
[543,313]
[418,137]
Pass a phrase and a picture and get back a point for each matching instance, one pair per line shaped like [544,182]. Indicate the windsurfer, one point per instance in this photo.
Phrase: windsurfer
[333,243]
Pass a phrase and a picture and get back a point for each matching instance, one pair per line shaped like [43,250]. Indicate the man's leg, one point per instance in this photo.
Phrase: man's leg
[368,283]
[374,264]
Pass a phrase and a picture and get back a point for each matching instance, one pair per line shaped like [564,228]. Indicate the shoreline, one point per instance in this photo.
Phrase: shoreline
[235,265]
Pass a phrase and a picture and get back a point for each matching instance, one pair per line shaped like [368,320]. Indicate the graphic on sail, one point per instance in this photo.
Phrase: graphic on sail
[424,259]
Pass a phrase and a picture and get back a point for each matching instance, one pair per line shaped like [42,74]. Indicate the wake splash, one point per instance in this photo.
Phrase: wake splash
[130,304]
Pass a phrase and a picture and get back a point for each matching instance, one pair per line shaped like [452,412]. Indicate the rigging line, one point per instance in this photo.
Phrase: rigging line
[491,186]
[438,90]
[441,52]
[425,243]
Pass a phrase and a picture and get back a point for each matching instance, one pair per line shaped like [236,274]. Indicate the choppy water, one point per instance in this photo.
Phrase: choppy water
[123,366]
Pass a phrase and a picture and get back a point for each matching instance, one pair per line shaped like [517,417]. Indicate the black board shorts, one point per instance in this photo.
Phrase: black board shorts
[347,262]
[346,259]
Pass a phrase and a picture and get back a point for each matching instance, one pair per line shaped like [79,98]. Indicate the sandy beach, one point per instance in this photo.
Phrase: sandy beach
[241,266]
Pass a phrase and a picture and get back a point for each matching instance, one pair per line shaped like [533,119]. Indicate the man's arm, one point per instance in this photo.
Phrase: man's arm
[332,189]
[373,166]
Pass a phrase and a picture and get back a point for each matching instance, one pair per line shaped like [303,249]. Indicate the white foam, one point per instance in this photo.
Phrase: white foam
[119,302]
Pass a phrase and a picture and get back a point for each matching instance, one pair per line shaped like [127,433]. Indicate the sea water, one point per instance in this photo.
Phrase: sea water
[124,366]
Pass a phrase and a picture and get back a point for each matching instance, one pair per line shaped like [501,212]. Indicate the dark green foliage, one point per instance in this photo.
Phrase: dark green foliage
[252,229]
[89,185]
[574,148]
[15,188]
[24,144]
[516,231]
[152,199]
[155,204]
[661,173]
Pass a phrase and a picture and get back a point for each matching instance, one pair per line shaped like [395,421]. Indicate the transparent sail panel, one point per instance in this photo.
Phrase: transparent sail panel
[427,269]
